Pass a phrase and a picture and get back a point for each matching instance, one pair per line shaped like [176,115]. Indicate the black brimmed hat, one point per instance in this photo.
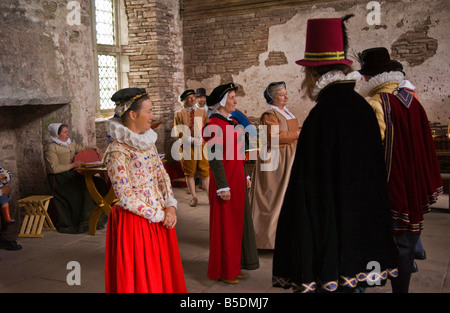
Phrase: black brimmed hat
[375,61]
[187,93]
[219,92]
[200,92]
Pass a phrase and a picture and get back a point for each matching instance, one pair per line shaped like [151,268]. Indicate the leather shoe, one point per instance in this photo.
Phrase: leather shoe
[414,268]
[420,255]
[10,245]
[241,276]
[193,202]
[230,281]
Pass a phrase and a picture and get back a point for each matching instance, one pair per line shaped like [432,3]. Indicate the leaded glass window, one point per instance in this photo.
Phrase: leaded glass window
[107,80]
[108,52]
[104,16]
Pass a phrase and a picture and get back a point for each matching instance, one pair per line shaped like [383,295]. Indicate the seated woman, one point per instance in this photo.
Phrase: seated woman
[72,200]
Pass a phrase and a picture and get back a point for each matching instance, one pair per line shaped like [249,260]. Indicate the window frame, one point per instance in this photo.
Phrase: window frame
[102,49]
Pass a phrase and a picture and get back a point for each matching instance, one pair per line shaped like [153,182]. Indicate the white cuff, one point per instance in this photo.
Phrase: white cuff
[222,189]
[158,217]
[171,202]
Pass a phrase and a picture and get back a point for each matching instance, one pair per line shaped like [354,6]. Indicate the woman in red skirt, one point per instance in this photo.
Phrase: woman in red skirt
[142,252]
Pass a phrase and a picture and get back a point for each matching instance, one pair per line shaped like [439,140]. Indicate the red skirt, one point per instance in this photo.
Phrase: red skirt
[141,257]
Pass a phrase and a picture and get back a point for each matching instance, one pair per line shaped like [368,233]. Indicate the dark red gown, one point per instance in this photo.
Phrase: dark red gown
[226,217]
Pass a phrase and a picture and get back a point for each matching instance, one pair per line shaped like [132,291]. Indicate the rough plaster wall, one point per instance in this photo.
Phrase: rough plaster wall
[47,61]
[398,18]
[46,75]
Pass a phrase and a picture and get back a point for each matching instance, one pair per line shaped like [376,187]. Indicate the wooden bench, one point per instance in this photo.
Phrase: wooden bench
[36,218]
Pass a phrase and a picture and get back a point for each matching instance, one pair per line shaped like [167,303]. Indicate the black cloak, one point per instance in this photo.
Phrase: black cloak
[335,228]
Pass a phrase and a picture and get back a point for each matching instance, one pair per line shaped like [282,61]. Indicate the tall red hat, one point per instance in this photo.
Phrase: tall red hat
[326,42]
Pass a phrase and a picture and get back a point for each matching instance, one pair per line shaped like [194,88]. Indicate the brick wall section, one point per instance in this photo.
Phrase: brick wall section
[152,51]
[100,135]
[276,58]
[415,46]
[226,45]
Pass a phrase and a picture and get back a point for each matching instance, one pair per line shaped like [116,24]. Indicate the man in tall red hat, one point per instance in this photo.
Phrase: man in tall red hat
[335,232]
[411,163]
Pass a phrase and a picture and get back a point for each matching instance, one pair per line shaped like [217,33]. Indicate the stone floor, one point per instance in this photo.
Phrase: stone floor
[42,265]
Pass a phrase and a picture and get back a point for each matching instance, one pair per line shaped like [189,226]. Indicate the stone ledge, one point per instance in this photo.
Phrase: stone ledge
[35,101]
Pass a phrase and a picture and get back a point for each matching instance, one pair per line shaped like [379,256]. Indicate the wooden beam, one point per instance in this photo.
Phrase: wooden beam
[195,9]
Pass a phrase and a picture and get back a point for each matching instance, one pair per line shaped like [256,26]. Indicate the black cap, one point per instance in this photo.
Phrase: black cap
[127,94]
[200,92]
[187,93]
[375,61]
[219,92]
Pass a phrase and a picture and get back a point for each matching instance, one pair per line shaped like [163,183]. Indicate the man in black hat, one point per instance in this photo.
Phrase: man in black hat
[200,94]
[192,161]
[412,168]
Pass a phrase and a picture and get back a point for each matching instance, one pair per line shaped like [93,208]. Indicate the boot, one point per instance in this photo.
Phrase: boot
[5,213]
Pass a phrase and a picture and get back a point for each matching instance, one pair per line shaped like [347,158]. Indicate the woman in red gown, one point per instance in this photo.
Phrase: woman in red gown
[142,252]
[232,238]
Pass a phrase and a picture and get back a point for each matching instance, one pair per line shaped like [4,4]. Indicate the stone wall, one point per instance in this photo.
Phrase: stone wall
[47,68]
[256,48]
[46,75]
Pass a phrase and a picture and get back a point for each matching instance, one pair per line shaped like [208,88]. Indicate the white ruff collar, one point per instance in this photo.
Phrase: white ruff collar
[123,134]
[334,76]
[61,143]
[379,80]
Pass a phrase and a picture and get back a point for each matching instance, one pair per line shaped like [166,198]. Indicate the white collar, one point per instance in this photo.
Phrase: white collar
[286,113]
[199,107]
[61,143]
[228,117]
[334,76]
[123,134]
[406,84]
[379,80]
[194,107]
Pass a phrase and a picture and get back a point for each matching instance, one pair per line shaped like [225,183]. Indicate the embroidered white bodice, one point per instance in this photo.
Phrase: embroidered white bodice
[139,179]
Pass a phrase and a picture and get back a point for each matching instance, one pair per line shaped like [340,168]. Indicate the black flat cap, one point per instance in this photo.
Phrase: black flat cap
[187,93]
[219,92]
[127,94]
